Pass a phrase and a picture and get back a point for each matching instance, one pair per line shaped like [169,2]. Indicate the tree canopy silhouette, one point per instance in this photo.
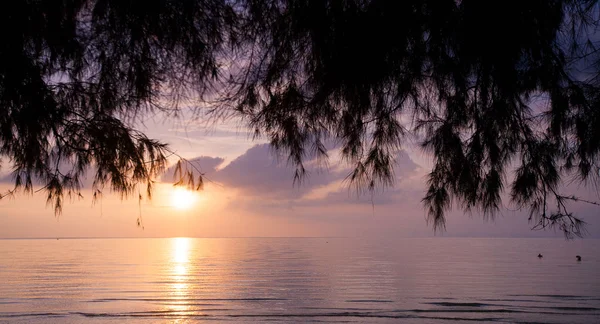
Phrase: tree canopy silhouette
[503,94]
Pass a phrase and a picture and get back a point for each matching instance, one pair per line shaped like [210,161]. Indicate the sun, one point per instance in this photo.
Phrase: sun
[182,198]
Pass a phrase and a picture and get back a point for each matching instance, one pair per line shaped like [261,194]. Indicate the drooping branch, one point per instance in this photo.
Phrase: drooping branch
[485,87]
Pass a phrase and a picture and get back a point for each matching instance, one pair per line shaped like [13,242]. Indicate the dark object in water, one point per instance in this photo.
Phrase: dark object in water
[578,258]
[540,256]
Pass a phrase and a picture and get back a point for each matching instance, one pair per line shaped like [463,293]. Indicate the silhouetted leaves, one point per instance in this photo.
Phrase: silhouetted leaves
[75,75]
[503,94]
[489,88]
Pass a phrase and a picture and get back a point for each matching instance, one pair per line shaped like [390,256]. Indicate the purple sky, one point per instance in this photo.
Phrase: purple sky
[252,194]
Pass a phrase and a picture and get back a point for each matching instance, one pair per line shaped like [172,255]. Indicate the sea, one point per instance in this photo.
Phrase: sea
[299,280]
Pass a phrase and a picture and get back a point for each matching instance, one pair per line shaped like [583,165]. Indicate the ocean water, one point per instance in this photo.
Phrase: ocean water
[253,280]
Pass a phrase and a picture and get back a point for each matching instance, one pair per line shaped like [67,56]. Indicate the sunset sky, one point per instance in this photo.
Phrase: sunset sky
[252,194]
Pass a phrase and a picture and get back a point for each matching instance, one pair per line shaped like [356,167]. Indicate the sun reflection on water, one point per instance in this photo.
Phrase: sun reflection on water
[181,250]
[179,289]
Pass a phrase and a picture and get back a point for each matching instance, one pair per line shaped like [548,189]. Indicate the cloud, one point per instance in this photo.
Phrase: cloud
[205,164]
[408,184]
[260,173]
[263,184]
[87,178]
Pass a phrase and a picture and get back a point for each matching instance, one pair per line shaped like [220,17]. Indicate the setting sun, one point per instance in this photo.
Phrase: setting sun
[182,198]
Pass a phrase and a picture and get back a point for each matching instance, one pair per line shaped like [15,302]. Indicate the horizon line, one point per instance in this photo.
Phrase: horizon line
[283,237]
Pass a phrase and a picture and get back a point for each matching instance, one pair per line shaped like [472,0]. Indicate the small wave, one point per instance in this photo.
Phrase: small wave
[369,301]
[567,308]
[465,319]
[559,296]
[521,310]
[335,314]
[16,315]
[364,315]
[450,304]
[101,300]
[451,310]
[192,304]
[344,309]
[511,300]
[142,314]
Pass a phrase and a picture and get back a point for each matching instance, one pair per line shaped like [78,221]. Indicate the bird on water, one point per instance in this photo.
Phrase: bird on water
[578,258]
[540,256]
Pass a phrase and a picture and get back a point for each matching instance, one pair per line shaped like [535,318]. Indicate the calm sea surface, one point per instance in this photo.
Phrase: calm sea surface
[183,280]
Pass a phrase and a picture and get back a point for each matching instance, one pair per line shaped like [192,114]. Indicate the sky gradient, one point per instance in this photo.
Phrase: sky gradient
[251,193]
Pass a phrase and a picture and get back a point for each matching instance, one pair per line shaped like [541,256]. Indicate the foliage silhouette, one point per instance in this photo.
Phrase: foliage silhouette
[503,94]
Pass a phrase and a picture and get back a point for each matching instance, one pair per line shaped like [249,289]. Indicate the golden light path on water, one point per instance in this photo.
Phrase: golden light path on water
[179,289]
[299,280]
